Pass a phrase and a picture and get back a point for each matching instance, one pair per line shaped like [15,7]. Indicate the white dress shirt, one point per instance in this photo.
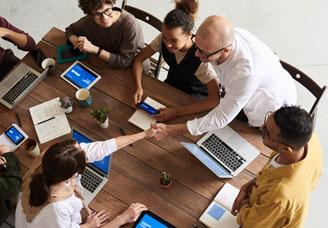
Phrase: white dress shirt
[254,81]
[65,213]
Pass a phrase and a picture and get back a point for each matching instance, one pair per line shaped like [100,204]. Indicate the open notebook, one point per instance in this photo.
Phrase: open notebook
[218,212]
[141,118]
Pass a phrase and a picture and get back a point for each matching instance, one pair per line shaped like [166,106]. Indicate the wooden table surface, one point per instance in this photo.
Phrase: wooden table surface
[135,171]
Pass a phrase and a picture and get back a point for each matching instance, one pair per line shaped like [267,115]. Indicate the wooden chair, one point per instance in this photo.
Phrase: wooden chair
[309,84]
[155,63]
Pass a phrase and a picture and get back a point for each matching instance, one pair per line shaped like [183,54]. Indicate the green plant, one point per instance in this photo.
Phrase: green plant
[165,178]
[99,114]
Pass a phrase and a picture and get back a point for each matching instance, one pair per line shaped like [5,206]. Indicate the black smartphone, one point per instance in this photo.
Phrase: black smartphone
[146,107]
[38,56]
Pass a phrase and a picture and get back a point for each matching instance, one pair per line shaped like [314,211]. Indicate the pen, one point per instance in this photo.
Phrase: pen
[19,122]
[123,133]
[46,120]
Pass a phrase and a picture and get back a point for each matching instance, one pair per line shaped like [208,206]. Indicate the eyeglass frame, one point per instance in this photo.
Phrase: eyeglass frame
[265,132]
[98,15]
[202,52]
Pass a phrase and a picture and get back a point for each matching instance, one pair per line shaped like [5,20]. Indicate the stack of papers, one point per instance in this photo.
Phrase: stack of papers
[49,120]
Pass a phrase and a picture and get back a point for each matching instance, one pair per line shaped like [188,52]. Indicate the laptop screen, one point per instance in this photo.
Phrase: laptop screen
[103,164]
[80,76]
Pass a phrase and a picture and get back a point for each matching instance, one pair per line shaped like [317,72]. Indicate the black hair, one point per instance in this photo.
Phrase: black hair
[295,125]
[60,162]
[182,16]
[91,5]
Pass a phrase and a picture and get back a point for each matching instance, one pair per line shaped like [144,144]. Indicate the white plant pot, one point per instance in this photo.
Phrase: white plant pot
[68,110]
[104,124]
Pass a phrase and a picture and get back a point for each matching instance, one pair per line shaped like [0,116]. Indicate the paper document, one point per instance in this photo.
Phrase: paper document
[49,120]
[141,118]
[218,213]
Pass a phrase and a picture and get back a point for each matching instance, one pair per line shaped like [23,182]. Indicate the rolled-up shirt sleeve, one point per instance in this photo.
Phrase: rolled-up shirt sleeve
[240,89]
[30,44]
[96,151]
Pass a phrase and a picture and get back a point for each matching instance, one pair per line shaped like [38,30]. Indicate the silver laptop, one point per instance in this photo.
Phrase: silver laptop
[224,152]
[96,174]
[18,83]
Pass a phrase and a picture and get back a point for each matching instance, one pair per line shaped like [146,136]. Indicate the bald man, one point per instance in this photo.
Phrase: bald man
[250,74]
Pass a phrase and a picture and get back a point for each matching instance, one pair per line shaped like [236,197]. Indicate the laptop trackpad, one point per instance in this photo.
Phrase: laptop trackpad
[235,141]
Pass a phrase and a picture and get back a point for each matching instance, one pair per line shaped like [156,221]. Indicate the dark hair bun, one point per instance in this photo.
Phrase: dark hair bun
[188,6]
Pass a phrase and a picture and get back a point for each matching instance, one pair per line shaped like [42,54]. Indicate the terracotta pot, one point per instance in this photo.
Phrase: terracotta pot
[165,186]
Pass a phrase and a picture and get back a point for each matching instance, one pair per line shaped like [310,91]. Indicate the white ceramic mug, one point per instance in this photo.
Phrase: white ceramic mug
[84,97]
[49,63]
[32,147]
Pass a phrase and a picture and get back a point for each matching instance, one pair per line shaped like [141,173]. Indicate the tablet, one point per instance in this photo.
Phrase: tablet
[80,76]
[147,219]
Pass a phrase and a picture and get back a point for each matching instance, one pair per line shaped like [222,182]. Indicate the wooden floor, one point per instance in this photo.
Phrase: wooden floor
[135,170]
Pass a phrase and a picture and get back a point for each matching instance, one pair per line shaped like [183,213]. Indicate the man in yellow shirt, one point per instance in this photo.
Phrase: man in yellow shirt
[279,195]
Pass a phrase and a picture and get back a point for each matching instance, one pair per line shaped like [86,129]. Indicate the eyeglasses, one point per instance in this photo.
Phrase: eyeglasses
[107,12]
[203,52]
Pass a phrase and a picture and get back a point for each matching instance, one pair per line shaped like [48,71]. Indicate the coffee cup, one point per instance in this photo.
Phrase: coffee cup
[32,147]
[49,63]
[84,97]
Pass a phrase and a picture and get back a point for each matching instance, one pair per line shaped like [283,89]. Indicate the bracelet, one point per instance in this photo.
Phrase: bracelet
[99,51]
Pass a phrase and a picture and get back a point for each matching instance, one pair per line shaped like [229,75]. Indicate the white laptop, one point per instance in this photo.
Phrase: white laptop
[18,83]
[94,178]
[224,152]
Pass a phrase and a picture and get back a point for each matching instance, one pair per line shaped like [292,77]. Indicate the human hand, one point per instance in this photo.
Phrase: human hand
[240,201]
[4,149]
[84,45]
[132,213]
[97,219]
[138,95]
[3,32]
[161,130]
[166,114]
[3,161]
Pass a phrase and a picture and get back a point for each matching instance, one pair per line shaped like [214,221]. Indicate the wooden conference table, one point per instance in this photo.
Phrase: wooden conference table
[135,170]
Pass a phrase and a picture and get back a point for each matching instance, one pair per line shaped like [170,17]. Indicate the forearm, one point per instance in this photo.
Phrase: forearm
[123,141]
[177,129]
[137,72]
[20,39]
[207,104]
[115,223]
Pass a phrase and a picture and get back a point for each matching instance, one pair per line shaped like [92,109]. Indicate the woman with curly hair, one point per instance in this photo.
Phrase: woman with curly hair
[111,33]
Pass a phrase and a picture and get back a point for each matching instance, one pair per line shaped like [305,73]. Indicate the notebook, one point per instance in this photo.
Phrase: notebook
[96,174]
[224,152]
[218,212]
[18,83]
[141,118]
[49,120]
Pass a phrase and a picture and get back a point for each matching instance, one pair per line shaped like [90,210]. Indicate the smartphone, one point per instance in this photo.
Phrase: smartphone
[38,56]
[149,109]
[14,135]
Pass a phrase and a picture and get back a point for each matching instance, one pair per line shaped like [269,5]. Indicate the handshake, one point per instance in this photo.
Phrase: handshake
[160,131]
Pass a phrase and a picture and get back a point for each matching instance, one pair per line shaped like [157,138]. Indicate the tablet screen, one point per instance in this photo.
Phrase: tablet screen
[14,135]
[148,219]
[103,164]
[80,76]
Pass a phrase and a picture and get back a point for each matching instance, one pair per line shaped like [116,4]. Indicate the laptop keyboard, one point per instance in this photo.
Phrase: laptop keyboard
[223,152]
[90,180]
[19,87]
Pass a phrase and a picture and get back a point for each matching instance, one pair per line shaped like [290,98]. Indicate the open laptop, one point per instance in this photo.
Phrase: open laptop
[18,83]
[96,174]
[224,152]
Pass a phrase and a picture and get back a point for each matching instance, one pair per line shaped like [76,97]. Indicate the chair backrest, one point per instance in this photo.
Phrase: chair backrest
[155,64]
[308,83]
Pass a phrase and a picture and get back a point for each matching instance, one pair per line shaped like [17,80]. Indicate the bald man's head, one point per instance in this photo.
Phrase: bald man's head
[217,30]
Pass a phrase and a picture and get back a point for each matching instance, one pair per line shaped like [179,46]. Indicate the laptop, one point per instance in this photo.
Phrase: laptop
[96,174]
[18,83]
[224,152]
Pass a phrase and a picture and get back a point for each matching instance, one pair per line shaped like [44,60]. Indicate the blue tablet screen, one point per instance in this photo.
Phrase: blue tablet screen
[80,76]
[103,164]
[150,222]
[14,135]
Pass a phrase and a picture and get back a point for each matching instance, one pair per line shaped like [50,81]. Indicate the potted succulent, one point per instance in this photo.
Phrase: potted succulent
[165,180]
[67,104]
[101,115]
